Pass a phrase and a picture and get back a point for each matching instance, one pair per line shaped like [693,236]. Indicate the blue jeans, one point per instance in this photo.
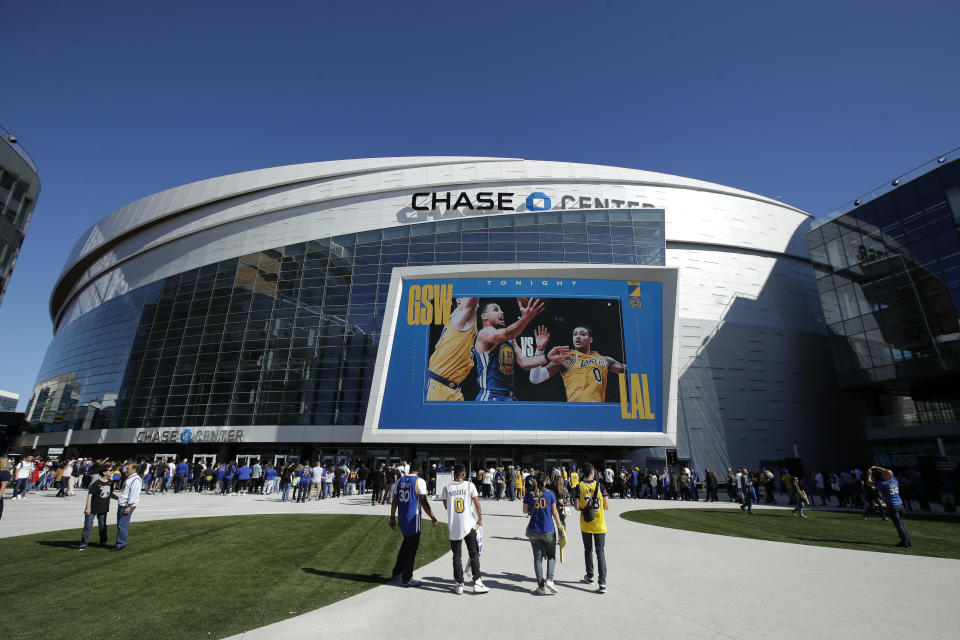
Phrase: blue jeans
[600,540]
[178,487]
[20,488]
[123,525]
[286,492]
[896,514]
[544,546]
[362,487]
[88,526]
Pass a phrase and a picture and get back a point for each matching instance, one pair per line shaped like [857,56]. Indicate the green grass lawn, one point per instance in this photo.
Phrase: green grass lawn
[937,536]
[197,577]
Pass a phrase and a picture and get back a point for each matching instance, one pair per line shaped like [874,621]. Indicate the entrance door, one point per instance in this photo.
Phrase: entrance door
[280,459]
[449,462]
[208,459]
[246,459]
[548,464]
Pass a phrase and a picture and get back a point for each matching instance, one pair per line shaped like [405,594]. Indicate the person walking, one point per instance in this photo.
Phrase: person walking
[23,474]
[464,517]
[889,488]
[591,502]
[5,478]
[97,506]
[128,498]
[540,503]
[746,493]
[409,498]
[798,496]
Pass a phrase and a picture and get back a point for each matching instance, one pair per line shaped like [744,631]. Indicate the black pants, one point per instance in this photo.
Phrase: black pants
[472,550]
[405,557]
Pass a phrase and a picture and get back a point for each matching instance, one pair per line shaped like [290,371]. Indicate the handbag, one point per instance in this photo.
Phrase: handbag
[587,510]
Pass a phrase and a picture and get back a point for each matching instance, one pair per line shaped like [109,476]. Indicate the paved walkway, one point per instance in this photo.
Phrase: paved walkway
[661,581]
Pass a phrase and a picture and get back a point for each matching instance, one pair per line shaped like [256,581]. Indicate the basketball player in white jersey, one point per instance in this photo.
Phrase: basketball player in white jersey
[464,517]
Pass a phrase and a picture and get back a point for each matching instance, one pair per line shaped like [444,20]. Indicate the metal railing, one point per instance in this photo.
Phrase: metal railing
[887,187]
[19,149]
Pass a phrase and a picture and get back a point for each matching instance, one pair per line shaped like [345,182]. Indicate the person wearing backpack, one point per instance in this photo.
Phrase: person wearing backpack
[591,503]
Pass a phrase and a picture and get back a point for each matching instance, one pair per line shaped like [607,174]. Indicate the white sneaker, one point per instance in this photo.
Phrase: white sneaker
[587,579]
[458,589]
[478,586]
[552,588]
[540,591]
[412,582]
[602,588]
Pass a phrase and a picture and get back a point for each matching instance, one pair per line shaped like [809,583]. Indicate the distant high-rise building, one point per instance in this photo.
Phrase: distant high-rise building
[19,187]
[8,401]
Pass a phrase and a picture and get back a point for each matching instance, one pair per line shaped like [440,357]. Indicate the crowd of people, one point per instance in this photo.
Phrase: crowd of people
[304,481]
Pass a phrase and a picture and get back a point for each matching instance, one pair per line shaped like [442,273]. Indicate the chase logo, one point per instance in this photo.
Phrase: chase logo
[538,201]
[186,436]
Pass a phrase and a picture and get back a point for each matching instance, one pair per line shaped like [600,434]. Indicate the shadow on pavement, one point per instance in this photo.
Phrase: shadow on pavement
[510,538]
[578,586]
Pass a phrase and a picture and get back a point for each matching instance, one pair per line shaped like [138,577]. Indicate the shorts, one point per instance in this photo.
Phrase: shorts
[491,396]
[439,392]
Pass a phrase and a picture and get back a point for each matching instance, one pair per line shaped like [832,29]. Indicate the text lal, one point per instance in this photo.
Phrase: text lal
[637,406]
[429,304]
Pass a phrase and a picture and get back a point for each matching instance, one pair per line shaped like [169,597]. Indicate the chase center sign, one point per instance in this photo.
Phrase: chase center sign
[459,204]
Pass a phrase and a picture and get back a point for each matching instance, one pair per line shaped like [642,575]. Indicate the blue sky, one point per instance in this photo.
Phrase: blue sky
[816,102]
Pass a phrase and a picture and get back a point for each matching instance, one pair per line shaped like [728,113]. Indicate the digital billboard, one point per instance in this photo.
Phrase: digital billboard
[510,351]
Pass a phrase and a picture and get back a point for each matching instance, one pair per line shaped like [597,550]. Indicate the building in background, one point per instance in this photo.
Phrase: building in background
[242,314]
[8,401]
[19,188]
[888,273]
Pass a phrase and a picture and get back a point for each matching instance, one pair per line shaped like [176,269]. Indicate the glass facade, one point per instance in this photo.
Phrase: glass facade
[289,335]
[888,274]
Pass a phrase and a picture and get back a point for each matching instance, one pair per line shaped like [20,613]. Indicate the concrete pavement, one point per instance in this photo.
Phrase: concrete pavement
[661,581]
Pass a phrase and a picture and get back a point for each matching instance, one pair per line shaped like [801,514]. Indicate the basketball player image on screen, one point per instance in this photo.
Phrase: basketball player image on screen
[452,357]
[495,351]
[584,370]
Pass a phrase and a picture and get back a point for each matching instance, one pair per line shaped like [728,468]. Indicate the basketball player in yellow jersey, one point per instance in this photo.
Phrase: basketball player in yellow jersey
[594,530]
[452,358]
[584,370]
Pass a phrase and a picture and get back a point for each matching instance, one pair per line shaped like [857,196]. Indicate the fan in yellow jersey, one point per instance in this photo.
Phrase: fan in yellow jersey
[452,358]
[593,527]
[584,371]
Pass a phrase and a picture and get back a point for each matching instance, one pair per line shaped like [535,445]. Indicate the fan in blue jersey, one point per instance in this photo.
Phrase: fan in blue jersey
[495,351]
[889,488]
[409,497]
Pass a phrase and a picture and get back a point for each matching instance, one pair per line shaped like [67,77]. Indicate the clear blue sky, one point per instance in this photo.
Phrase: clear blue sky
[817,102]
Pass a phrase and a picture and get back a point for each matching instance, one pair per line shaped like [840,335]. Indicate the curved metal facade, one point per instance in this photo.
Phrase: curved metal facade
[290,264]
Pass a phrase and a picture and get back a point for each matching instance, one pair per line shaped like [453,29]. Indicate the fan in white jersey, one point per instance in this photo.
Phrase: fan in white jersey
[464,518]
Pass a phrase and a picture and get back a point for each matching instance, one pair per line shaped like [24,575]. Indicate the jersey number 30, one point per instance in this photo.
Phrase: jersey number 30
[404,495]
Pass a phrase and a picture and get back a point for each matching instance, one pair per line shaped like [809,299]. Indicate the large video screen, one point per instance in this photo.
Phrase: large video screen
[525,354]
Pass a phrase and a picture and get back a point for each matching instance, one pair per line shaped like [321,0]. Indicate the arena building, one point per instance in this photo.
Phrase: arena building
[19,189]
[243,315]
